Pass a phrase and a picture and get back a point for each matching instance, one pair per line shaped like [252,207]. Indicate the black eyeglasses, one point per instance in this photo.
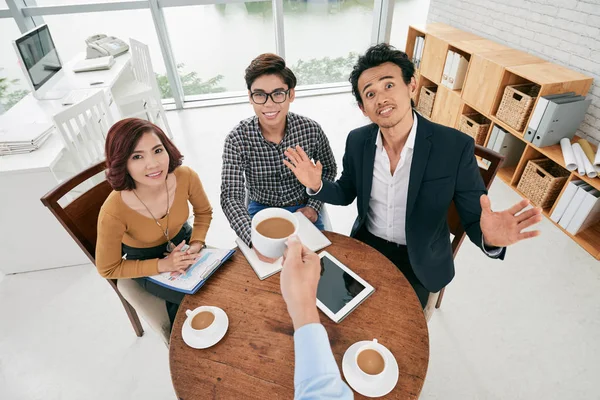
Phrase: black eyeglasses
[277,96]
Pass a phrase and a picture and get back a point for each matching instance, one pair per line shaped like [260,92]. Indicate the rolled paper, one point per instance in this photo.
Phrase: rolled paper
[590,171]
[579,159]
[597,158]
[587,149]
[568,155]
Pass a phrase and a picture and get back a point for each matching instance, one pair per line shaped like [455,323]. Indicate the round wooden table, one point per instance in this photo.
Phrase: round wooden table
[255,359]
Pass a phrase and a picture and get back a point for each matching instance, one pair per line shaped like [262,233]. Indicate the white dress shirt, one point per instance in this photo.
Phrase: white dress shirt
[386,217]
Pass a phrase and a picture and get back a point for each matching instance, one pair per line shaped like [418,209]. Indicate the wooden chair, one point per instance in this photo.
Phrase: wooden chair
[456,228]
[80,219]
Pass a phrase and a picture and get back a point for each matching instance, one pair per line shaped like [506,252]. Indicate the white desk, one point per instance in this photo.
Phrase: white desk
[30,236]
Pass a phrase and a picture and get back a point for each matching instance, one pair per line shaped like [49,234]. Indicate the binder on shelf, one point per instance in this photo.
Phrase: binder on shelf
[448,67]
[415,51]
[510,147]
[560,120]
[493,136]
[574,205]
[587,214]
[565,199]
[499,140]
[539,111]
[421,47]
[418,51]
[458,72]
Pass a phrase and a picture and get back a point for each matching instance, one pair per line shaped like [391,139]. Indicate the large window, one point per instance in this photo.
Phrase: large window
[324,37]
[213,44]
[406,13]
[126,24]
[208,46]
[66,2]
[12,80]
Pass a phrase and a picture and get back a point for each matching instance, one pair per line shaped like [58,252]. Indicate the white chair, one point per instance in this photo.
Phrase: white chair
[140,97]
[325,218]
[83,128]
[152,309]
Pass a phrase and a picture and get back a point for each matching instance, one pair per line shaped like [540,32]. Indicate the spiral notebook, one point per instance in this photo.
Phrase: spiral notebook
[196,275]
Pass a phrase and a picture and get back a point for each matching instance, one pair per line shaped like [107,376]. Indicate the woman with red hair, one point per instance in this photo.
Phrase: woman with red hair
[145,217]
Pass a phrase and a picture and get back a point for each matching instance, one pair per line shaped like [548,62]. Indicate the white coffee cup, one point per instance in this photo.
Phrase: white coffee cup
[380,349]
[269,247]
[207,331]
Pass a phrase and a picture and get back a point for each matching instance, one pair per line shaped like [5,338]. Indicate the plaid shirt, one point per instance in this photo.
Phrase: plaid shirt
[250,159]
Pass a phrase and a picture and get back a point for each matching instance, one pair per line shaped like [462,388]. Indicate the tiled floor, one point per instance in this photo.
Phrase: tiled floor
[525,328]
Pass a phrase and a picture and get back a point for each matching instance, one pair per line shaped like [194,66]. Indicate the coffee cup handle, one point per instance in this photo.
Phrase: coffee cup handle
[375,341]
[188,313]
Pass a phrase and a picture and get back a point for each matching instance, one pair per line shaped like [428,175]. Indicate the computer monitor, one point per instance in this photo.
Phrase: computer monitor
[38,56]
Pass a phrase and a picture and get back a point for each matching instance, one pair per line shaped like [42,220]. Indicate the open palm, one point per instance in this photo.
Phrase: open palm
[308,173]
[503,228]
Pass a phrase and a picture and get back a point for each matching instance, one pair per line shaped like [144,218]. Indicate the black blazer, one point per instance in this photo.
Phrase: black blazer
[443,169]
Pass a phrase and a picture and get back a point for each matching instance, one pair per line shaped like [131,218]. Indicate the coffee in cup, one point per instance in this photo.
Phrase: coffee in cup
[370,362]
[202,320]
[275,228]
[270,229]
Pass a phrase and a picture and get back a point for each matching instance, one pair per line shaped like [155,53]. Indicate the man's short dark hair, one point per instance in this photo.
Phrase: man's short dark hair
[377,55]
[269,64]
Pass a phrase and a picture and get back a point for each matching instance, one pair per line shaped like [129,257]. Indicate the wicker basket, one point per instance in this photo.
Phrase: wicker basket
[426,99]
[517,103]
[542,181]
[476,126]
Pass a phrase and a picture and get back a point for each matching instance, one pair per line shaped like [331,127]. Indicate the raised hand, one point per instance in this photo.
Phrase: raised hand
[503,228]
[306,172]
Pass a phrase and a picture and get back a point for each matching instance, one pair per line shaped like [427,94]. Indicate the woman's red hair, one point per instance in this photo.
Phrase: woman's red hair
[121,140]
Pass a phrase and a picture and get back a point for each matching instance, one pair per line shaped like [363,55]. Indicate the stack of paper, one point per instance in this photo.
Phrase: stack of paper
[309,235]
[24,138]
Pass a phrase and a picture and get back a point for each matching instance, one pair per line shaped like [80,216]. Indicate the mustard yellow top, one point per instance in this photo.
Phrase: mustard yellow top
[118,223]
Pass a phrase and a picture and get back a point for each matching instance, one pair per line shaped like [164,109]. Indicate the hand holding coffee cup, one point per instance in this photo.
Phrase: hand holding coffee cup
[270,229]
[299,281]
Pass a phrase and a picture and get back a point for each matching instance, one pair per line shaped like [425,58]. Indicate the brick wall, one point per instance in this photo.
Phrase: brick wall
[566,32]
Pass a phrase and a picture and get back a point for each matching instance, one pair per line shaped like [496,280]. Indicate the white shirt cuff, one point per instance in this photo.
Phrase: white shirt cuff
[310,192]
[492,252]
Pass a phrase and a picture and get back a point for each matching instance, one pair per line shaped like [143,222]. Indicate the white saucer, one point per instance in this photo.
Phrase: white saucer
[376,388]
[203,342]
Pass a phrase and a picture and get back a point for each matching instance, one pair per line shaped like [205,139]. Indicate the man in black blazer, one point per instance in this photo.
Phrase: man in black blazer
[405,171]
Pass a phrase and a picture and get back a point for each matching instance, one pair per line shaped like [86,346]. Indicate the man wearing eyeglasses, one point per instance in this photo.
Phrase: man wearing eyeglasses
[254,176]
